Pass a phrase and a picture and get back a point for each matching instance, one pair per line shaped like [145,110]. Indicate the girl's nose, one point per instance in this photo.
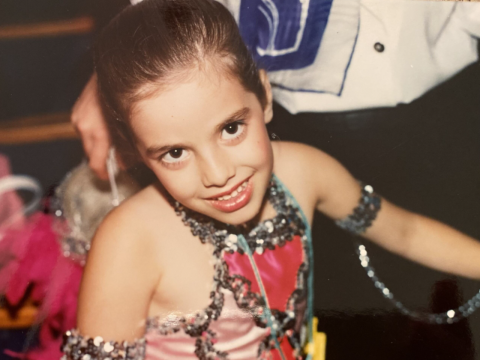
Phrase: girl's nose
[216,169]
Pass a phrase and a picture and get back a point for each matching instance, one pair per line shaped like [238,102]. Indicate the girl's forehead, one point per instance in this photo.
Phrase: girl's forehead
[199,103]
[181,83]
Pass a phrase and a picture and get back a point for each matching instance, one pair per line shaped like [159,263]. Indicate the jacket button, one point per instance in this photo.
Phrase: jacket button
[379,47]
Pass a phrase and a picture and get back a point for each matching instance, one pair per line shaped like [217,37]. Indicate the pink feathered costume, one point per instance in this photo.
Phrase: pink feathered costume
[31,261]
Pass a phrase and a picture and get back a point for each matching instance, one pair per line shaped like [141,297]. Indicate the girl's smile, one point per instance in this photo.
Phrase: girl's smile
[206,141]
[235,199]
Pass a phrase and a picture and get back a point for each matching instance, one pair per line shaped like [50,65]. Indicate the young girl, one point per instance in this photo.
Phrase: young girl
[214,260]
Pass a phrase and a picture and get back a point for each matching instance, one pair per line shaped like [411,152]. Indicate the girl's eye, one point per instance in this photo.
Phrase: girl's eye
[232,130]
[175,155]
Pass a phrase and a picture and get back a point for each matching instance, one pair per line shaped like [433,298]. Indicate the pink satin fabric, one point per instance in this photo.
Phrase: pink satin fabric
[278,270]
[236,333]
[235,329]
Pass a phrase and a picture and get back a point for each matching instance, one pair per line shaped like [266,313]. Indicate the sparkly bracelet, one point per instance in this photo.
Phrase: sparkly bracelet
[363,215]
[448,317]
[357,222]
[78,347]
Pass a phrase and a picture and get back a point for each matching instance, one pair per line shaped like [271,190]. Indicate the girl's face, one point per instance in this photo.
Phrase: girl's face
[206,141]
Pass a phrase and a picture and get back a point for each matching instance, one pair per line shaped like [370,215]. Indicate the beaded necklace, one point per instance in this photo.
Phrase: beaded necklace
[268,234]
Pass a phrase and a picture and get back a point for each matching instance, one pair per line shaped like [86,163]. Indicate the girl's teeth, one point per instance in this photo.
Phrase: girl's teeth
[235,192]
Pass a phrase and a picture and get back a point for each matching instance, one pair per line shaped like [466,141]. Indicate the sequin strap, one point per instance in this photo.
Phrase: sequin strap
[78,347]
[363,215]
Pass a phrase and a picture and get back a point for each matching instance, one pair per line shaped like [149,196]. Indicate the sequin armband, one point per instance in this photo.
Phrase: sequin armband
[363,215]
[78,347]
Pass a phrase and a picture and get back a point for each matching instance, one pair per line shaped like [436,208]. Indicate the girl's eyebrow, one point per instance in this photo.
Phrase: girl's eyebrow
[237,115]
[152,151]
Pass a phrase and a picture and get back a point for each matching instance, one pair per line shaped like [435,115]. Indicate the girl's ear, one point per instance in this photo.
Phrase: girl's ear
[268,110]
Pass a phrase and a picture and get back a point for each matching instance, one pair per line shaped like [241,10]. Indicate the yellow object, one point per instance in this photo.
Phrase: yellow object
[318,347]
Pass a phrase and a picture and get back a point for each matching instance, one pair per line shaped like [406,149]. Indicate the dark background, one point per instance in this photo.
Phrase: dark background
[43,75]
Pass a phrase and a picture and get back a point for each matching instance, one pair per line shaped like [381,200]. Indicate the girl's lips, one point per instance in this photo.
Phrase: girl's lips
[234,202]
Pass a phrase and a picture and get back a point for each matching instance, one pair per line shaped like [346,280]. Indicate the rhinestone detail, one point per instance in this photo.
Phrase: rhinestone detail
[78,347]
[448,317]
[364,214]
[266,235]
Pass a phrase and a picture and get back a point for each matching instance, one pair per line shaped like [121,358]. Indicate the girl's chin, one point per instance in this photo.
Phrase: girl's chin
[237,220]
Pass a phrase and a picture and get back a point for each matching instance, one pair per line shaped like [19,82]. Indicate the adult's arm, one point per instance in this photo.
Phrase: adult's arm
[88,119]
[87,116]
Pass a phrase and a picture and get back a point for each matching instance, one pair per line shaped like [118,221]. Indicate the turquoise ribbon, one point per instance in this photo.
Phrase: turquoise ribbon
[244,246]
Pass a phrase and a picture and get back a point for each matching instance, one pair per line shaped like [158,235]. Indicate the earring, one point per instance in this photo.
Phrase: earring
[274,136]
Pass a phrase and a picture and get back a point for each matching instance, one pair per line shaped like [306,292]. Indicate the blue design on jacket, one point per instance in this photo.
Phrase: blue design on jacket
[284,34]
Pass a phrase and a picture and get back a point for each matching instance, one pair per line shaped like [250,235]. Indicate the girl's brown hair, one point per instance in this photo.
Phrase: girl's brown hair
[149,45]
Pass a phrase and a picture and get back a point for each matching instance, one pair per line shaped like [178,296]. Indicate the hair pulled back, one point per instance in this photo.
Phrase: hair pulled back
[148,44]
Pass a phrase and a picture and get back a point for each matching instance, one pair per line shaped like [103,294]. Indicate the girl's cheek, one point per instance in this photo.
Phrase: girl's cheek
[180,184]
[259,148]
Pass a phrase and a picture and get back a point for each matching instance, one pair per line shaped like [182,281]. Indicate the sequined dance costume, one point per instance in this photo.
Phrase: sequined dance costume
[261,300]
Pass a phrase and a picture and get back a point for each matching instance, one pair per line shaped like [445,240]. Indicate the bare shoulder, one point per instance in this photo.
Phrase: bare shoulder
[293,166]
[135,223]
[122,268]
[310,173]
[303,157]
[297,164]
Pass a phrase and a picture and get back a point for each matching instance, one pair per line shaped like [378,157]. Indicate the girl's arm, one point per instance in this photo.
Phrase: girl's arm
[410,235]
[118,281]
[425,241]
